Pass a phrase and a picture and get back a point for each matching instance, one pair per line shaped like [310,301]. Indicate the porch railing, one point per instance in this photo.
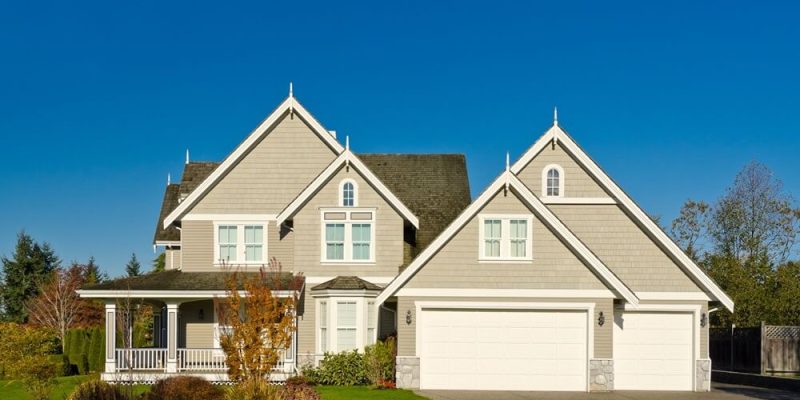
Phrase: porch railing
[201,360]
[141,359]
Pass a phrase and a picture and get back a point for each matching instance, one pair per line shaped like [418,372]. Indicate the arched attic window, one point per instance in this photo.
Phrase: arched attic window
[553,181]
[348,193]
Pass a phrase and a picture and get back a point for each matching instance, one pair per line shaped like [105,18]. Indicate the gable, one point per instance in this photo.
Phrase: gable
[272,173]
[624,248]
[577,182]
[554,265]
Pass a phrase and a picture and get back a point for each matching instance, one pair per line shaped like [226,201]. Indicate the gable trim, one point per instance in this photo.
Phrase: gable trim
[506,180]
[538,293]
[555,133]
[290,106]
[346,157]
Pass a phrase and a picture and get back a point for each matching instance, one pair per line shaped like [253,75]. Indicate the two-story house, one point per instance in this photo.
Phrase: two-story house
[552,279]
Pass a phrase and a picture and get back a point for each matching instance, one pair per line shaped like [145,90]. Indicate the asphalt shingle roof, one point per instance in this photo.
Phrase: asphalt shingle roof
[347,283]
[179,280]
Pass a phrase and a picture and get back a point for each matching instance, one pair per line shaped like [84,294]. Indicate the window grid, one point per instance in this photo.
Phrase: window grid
[519,237]
[254,243]
[505,237]
[348,195]
[227,242]
[362,239]
[492,233]
[334,241]
[553,182]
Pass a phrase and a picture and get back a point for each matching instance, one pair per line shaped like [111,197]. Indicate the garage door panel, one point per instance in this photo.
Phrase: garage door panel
[653,351]
[503,350]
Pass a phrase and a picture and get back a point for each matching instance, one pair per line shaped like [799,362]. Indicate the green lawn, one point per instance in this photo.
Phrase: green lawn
[13,390]
[364,393]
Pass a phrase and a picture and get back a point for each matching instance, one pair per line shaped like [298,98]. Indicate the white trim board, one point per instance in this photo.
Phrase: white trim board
[261,218]
[578,200]
[688,296]
[504,181]
[288,106]
[514,293]
[346,158]
[555,133]
[164,294]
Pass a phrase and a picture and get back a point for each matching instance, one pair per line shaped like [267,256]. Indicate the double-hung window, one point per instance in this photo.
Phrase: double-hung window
[348,235]
[346,327]
[345,323]
[240,243]
[505,237]
[323,326]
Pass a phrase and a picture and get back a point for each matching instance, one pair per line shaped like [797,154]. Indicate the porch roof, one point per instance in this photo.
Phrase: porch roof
[175,280]
[347,283]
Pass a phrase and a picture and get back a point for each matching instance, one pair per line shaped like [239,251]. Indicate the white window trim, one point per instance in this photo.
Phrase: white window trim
[561,179]
[240,245]
[348,234]
[332,327]
[341,192]
[505,238]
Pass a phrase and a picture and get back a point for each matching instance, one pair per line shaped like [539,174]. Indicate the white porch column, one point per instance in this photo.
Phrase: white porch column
[172,336]
[111,338]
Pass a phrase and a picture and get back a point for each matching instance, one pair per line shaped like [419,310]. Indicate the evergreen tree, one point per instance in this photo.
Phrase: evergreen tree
[93,274]
[160,262]
[133,267]
[27,268]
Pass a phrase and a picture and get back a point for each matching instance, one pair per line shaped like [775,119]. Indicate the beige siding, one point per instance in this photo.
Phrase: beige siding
[172,259]
[197,245]
[624,248]
[308,230]
[407,333]
[306,325]
[280,244]
[197,333]
[554,266]
[272,174]
[577,182]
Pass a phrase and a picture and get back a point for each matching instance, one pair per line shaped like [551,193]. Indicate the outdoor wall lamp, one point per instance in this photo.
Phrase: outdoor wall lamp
[703,320]
[601,320]
[408,317]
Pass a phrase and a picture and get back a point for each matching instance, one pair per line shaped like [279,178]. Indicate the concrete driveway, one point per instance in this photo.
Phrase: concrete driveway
[719,391]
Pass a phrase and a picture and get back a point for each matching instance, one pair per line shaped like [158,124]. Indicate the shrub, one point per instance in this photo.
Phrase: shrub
[26,353]
[96,390]
[342,369]
[255,389]
[299,389]
[67,367]
[184,388]
[379,362]
[84,364]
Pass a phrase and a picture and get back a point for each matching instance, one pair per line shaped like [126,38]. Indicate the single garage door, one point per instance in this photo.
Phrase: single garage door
[503,350]
[653,351]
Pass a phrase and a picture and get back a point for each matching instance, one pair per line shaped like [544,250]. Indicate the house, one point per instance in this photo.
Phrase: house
[551,279]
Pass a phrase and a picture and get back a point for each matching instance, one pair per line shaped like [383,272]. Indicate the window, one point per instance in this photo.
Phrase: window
[240,243]
[505,237]
[253,243]
[553,181]
[348,235]
[372,322]
[346,326]
[334,241]
[323,326]
[348,193]
[227,243]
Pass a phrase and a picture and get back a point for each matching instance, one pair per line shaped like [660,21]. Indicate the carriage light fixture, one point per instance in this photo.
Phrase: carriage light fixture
[601,320]
[703,320]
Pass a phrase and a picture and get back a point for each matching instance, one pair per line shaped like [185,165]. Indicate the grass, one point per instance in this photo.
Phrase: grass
[364,393]
[14,390]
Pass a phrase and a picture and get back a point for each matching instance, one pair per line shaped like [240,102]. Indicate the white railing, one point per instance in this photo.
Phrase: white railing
[141,359]
[201,360]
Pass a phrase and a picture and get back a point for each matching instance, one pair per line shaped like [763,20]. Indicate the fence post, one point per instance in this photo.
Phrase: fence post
[730,359]
[763,342]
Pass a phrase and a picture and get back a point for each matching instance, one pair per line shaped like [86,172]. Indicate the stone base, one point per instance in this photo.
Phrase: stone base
[702,379]
[407,374]
[601,375]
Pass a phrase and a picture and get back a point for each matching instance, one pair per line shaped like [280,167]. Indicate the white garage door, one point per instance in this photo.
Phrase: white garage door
[503,350]
[653,351]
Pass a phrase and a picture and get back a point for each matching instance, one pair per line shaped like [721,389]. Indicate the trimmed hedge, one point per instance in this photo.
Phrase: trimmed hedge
[84,349]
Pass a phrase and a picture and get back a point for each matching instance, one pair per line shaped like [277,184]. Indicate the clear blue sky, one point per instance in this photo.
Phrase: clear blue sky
[98,102]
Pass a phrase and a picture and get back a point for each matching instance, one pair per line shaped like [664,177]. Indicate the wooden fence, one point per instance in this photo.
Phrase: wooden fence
[768,349]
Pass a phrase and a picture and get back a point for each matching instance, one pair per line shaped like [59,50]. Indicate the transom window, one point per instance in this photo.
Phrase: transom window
[505,237]
[348,235]
[240,243]
[348,193]
[553,181]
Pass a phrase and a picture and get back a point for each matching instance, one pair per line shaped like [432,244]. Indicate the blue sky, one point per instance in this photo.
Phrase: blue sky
[98,102]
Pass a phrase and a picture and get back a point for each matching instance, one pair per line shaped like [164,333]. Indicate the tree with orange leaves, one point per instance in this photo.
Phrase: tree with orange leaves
[258,324]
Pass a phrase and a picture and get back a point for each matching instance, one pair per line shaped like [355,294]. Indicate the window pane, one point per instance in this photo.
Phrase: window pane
[254,234]
[323,323]
[346,339]
[518,248]
[492,248]
[362,238]
[553,178]
[323,339]
[323,314]
[491,229]
[519,229]
[348,195]
[253,252]
[334,241]
[345,314]
[334,232]
[227,252]
[334,251]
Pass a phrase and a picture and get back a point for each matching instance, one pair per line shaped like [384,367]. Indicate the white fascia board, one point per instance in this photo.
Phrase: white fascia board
[578,200]
[689,266]
[605,274]
[168,243]
[228,217]
[290,105]
[512,293]
[327,174]
[163,294]
[507,178]
[674,296]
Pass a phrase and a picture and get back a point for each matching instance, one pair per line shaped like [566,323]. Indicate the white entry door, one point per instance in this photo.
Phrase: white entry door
[653,351]
[503,350]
